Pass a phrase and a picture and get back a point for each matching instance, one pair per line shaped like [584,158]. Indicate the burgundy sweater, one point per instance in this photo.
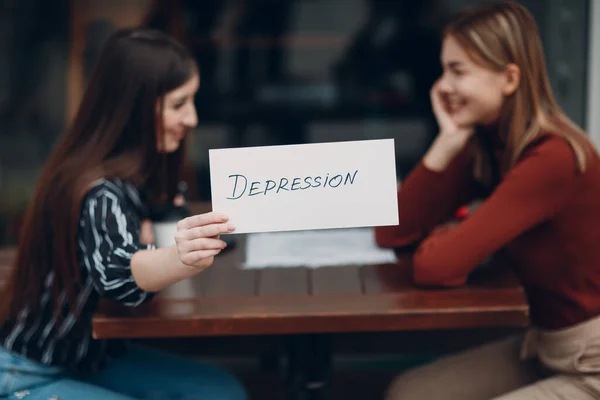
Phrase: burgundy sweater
[544,212]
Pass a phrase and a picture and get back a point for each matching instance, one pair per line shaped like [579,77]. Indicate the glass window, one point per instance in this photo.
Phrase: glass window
[273,72]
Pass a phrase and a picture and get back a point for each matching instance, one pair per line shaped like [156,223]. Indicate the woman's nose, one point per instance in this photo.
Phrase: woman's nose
[445,86]
[191,118]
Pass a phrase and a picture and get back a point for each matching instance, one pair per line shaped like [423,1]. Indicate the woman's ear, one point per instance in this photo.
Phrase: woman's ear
[512,74]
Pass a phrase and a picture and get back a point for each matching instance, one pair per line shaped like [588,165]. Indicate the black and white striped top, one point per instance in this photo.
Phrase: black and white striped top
[109,235]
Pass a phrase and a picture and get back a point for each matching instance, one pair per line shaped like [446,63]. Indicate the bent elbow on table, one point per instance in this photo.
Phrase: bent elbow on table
[432,270]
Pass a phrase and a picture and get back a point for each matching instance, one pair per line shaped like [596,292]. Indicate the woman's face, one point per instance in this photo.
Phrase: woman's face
[178,114]
[471,93]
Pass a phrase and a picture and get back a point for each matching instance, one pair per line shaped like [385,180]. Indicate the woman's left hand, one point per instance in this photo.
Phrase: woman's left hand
[197,238]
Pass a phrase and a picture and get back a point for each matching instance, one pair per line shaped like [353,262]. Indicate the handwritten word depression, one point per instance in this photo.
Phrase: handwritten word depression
[240,184]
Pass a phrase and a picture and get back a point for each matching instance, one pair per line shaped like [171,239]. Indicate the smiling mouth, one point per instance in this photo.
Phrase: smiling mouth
[454,106]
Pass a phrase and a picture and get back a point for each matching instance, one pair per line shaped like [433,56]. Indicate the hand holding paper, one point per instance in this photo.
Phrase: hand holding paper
[197,238]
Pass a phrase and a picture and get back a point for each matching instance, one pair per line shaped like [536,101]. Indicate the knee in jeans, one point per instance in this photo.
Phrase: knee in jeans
[7,382]
[235,391]
[229,387]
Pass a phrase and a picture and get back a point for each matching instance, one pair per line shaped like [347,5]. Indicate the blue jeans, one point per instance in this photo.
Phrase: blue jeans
[142,373]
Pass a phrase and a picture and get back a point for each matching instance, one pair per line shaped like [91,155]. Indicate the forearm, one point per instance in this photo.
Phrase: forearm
[154,270]
[427,198]
[442,152]
[532,193]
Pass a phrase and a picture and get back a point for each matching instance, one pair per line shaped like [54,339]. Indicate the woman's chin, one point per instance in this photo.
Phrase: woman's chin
[463,120]
[171,147]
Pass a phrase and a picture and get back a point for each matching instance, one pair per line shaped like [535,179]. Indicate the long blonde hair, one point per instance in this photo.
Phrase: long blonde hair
[501,33]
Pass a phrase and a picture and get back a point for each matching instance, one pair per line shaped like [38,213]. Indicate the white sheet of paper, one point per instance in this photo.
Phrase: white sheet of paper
[309,186]
[315,249]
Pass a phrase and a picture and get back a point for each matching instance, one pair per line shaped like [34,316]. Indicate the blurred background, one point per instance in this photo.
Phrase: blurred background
[272,71]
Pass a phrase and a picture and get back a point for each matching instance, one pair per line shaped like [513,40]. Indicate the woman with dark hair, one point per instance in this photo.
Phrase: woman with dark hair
[81,239]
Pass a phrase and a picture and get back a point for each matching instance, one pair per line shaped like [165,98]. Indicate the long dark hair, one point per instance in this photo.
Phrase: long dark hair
[114,135]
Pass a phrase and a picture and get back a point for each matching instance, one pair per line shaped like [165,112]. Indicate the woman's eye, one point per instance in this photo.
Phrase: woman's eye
[177,106]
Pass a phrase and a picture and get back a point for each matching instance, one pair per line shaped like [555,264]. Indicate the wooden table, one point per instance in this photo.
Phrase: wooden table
[228,300]
[308,304]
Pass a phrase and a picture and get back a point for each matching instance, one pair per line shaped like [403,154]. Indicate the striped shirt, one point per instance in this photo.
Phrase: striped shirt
[109,235]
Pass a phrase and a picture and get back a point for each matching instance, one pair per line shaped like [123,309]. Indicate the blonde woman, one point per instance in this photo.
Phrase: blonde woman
[502,131]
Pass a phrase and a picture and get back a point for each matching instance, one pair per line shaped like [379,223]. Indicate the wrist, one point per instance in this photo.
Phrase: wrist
[183,270]
[174,258]
[441,153]
[187,270]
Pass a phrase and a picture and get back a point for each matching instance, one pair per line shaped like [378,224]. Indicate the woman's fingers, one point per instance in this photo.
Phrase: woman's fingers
[201,220]
[207,231]
[435,96]
[203,244]
[198,238]
[444,119]
[439,110]
[200,258]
